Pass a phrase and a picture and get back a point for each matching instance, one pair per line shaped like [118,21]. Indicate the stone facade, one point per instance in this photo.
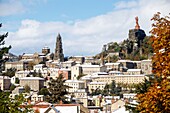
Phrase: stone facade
[18,65]
[35,83]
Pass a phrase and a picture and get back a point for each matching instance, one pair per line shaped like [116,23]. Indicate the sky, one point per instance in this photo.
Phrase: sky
[84,25]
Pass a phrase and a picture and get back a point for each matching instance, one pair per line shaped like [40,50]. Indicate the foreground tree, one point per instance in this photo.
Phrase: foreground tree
[157,97]
[3,49]
[10,105]
[57,90]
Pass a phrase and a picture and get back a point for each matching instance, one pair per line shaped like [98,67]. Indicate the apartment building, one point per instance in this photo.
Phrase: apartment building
[115,73]
[104,78]
[21,74]
[112,66]
[126,63]
[80,93]
[89,69]
[94,85]
[55,73]
[129,79]
[76,71]
[37,98]
[137,64]
[74,85]
[18,65]
[134,71]
[35,83]
[68,64]
[38,67]
[37,57]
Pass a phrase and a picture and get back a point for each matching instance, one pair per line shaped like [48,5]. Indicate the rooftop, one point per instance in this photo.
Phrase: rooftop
[134,70]
[31,78]
[91,66]
[129,75]
[26,54]
[98,83]
[74,81]
[4,77]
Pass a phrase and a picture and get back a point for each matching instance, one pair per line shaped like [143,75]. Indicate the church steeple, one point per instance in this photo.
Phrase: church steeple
[59,50]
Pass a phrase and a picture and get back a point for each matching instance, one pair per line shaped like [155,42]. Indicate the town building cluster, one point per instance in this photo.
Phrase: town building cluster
[84,74]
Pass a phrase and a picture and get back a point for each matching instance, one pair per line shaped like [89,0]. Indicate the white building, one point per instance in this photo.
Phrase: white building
[115,73]
[38,67]
[68,64]
[134,71]
[89,69]
[21,74]
[96,85]
[129,79]
[76,71]
[112,66]
[75,85]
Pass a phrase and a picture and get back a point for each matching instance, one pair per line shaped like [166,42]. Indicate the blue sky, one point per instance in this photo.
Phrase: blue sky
[85,26]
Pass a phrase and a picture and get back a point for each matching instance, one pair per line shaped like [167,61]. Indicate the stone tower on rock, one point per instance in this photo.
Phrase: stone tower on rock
[59,50]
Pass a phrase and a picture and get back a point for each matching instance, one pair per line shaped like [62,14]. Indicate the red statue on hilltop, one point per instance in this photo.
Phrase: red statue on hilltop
[137,24]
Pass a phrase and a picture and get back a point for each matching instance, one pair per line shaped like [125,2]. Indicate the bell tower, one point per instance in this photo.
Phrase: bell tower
[59,50]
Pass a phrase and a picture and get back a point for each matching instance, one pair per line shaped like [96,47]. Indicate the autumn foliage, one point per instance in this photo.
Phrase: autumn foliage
[157,98]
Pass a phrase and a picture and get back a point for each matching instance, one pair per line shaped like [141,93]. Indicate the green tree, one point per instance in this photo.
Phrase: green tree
[57,90]
[143,86]
[10,105]
[97,91]
[3,49]
[115,47]
[44,91]
[112,87]
[81,75]
[17,80]
[106,90]
[114,58]
[27,88]
[12,87]
[10,72]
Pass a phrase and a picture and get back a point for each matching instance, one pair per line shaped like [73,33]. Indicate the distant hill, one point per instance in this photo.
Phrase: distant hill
[138,46]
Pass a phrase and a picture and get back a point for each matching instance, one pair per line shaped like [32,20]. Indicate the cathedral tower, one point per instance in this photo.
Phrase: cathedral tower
[59,50]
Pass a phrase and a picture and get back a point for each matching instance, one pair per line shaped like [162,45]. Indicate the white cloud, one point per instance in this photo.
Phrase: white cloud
[126,4]
[11,7]
[86,37]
